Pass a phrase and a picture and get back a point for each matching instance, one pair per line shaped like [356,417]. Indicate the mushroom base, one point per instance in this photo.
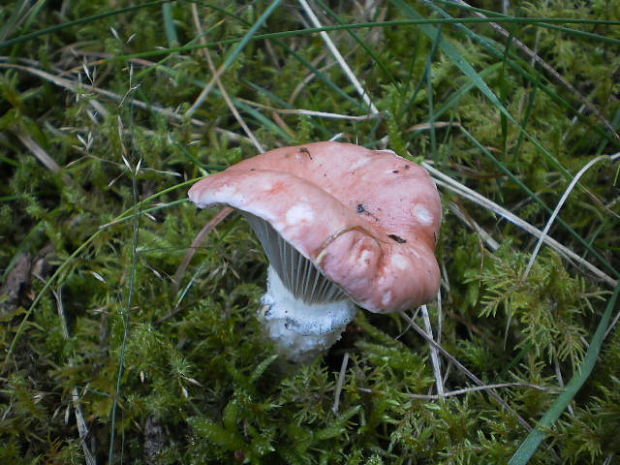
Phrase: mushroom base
[300,330]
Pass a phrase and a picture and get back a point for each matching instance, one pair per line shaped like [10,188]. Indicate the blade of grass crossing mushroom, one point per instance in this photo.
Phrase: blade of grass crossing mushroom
[531,443]
[200,237]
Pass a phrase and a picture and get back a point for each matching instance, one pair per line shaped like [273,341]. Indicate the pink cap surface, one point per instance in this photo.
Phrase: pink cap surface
[368,219]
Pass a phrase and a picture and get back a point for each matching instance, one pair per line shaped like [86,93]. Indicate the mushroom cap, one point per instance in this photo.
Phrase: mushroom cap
[367,219]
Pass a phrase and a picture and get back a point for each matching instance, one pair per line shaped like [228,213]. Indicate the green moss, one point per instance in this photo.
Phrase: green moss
[199,382]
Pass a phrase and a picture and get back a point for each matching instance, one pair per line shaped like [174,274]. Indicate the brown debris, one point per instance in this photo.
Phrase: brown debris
[154,440]
[16,284]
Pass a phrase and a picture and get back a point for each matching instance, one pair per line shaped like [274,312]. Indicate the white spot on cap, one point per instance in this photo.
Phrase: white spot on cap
[358,164]
[226,191]
[299,213]
[423,215]
[386,298]
[400,262]
[266,185]
[364,259]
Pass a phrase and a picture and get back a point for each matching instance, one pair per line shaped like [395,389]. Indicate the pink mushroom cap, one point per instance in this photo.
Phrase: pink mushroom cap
[367,219]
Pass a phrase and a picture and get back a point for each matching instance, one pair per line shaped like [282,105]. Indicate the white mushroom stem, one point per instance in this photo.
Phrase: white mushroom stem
[304,313]
[301,330]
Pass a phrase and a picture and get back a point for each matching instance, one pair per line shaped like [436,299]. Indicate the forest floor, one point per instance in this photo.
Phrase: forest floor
[125,339]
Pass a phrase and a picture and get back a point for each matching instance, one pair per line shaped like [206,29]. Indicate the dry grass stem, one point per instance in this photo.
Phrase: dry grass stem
[318,114]
[436,125]
[310,76]
[469,221]
[569,189]
[435,361]
[340,383]
[463,191]
[460,392]
[200,237]
[612,324]
[339,58]
[76,87]
[560,378]
[216,77]
[37,150]
[465,370]
[82,427]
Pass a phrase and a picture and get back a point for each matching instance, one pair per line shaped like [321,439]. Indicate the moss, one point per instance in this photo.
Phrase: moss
[185,365]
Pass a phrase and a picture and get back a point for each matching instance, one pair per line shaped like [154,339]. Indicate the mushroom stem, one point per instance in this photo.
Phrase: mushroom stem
[301,330]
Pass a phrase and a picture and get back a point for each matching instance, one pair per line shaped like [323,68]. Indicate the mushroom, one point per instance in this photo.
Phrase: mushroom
[342,226]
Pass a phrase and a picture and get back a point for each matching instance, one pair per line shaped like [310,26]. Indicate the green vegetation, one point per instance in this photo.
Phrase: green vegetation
[110,110]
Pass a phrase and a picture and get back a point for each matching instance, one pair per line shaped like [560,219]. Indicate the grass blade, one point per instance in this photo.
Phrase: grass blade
[533,440]
[169,27]
[232,56]
[78,22]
